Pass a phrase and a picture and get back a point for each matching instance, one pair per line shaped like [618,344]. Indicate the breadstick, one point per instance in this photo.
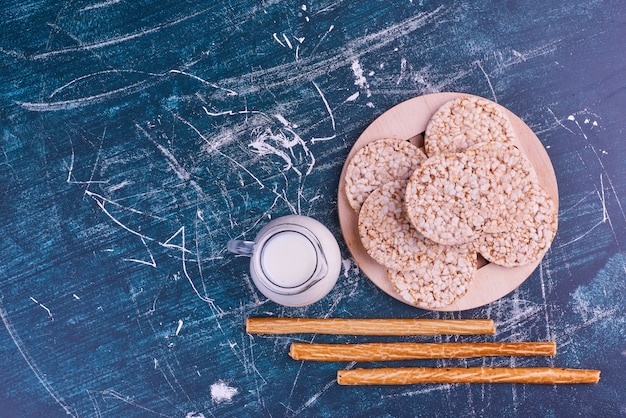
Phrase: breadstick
[412,351]
[339,326]
[407,376]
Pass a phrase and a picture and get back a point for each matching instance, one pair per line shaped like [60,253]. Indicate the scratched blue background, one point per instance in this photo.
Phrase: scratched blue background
[137,137]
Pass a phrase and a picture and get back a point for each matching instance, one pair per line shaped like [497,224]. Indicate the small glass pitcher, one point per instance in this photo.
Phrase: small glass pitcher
[294,260]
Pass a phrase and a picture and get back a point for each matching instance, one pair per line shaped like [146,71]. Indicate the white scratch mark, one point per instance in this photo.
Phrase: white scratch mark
[297,53]
[97,73]
[71,168]
[573,119]
[605,215]
[493,92]
[352,97]
[608,178]
[281,137]
[221,392]
[41,377]
[601,193]
[542,279]
[282,119]
[99,5]
[330,29]
[180,172]
[558,122]
[537,52]
[88,100]
[100,201]
[287,41]
[436,388]
[76,296]
[203,81]
[316,396]
[95,164]
[94,402]
[262,147]
[114,188]
[330,113]
[183,250]
[117,40]
[44,307]
[178,169]
[238,164]
[128,400]
[605,212]
[151,263]
[180,326]
[275,36]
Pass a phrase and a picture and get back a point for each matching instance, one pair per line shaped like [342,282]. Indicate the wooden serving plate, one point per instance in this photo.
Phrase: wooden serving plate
[408,120]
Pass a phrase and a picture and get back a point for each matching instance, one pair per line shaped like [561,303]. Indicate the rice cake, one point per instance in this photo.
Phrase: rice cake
[377,163]
[504,176]
[466,121]
[442,199]
[532,225]
[387,235]
[442,279]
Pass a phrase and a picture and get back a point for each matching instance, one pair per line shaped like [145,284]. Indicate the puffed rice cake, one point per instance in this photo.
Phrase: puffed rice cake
[452,198]
[442,199]
[387,235]
[504,173]
[466,121]
[377,163]
[532,224]
[444,277]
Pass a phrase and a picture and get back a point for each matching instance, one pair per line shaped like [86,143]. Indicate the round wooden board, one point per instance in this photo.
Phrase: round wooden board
[408,120]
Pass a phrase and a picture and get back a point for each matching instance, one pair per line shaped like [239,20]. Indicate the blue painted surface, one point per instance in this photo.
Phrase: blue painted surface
[136,138]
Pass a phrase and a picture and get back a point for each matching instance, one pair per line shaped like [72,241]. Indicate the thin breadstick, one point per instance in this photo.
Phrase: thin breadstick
[412,351]
[339,326]
[408,376]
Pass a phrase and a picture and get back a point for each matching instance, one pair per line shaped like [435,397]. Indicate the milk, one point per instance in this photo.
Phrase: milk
[288,259]
[294,260]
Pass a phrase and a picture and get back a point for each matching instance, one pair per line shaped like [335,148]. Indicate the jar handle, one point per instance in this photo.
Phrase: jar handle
[240,247]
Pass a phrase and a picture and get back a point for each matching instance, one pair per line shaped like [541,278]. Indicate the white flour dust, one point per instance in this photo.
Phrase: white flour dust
[221,392]
[359,78]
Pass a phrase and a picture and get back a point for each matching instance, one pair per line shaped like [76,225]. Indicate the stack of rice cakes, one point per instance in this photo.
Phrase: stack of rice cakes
[424,214]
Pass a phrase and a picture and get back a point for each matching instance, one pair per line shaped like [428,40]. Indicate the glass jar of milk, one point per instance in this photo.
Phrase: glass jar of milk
[294,260]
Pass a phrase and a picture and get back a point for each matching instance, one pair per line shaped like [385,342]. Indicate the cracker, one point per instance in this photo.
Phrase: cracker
[444,277]
[504,174]
[532,225]
[442,199]
[466,121]
[377,163]
[452,198]
[387,235]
